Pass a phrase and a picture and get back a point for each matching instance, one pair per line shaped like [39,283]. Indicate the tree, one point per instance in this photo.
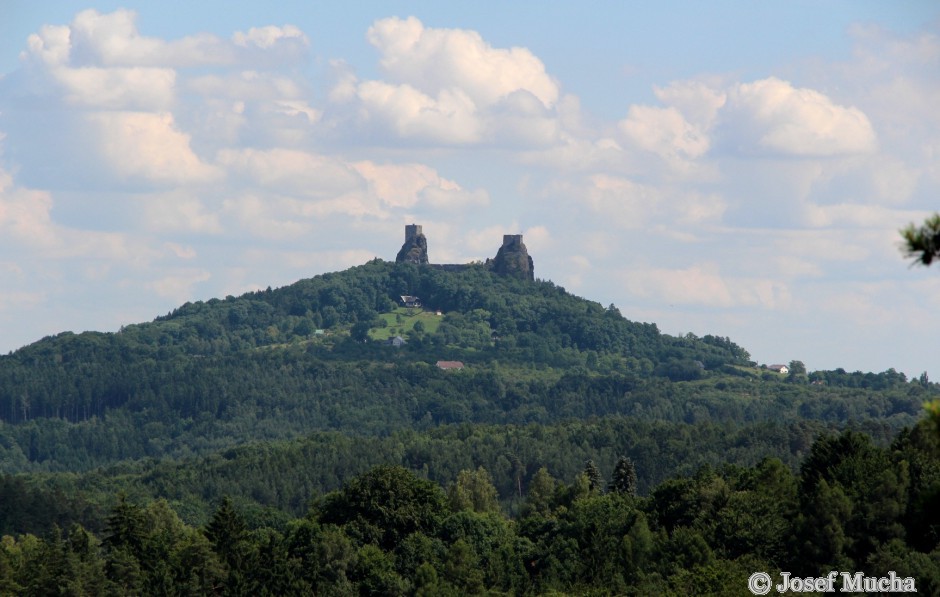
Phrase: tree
[623,479]
[593,475]
[797,372]
[922,243]
[473,490]
[229,537]
[385,505]
[541,492]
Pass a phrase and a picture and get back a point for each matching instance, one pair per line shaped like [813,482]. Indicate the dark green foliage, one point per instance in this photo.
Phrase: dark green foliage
[385,505]
[922,243]
[389,532]
[593,475]
[623,479]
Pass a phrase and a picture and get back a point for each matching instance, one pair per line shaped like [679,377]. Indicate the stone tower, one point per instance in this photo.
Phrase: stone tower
[415,249]
[513,259]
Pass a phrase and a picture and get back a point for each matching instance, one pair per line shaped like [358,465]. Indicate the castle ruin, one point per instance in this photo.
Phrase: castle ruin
[512,259]
[415,249]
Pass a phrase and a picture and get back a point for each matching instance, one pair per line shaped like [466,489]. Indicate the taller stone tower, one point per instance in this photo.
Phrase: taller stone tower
[513,259]
[415,249]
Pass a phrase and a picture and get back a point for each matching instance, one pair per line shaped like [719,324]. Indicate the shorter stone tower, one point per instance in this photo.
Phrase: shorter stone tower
[415,249]
[513,259]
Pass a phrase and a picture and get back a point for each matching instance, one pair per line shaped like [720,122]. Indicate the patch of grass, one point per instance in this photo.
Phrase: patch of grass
[402,320]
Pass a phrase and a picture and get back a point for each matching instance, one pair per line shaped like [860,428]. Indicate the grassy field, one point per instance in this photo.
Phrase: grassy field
[402,320]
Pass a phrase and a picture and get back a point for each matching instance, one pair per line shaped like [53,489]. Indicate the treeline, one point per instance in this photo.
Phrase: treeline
[187,406]
[277,479]
[853,506]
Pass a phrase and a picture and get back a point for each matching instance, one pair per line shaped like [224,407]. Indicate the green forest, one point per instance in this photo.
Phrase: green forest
[280,443]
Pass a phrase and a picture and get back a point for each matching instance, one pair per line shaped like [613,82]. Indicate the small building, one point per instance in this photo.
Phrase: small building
[449,365]
[781,369]
[397,342]
[410,301]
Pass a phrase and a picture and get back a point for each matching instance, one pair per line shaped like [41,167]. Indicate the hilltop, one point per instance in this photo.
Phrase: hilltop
[283,362]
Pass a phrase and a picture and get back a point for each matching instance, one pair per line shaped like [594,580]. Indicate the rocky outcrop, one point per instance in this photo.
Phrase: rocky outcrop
[513,259]
[415,249]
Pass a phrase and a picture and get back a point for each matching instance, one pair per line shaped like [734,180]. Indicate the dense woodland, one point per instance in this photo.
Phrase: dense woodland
[270,443]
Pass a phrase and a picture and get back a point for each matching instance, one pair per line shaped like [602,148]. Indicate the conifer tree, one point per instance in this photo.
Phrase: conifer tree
[623,479]
[593,475]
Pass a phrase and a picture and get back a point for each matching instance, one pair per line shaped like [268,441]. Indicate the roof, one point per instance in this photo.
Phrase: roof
[450,364]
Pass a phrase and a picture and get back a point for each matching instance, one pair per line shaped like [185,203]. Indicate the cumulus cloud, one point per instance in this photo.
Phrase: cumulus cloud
[266,37]
[407,112]
[295,172]
[118,88]
[772,116]
[113,40]
[25,214]
[765,117]
[433,60]
[405,185]
[450,86]
[698,101]
[147,146]
[664,131]
[622,201]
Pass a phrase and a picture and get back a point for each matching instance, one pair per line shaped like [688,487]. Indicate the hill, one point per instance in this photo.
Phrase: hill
[276,421]
[311,358]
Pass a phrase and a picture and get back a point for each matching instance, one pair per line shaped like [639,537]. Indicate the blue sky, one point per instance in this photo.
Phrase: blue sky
[726,168]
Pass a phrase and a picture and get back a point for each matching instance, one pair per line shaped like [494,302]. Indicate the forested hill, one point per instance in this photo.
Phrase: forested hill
[484,318]
[532,321]
[314,356]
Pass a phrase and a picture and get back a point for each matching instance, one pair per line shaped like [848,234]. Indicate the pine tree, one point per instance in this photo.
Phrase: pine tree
[593,475]
[624,477]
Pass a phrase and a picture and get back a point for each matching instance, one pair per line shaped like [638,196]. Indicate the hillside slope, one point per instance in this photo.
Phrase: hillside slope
[280,364]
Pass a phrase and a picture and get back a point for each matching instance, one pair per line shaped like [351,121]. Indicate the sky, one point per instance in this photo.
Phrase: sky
[738,169]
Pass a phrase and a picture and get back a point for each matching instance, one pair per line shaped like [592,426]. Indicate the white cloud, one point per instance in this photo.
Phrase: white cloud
[267,217]
[664,131]
[449,86]
[147,146]
[266,37]
[772,116]
[698,101]
[405,185]
[51,46]
[434,60]
[25,214]
[118,88]
[450,117]
[621,201]
[247,86]
[293,172]
[113,40]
